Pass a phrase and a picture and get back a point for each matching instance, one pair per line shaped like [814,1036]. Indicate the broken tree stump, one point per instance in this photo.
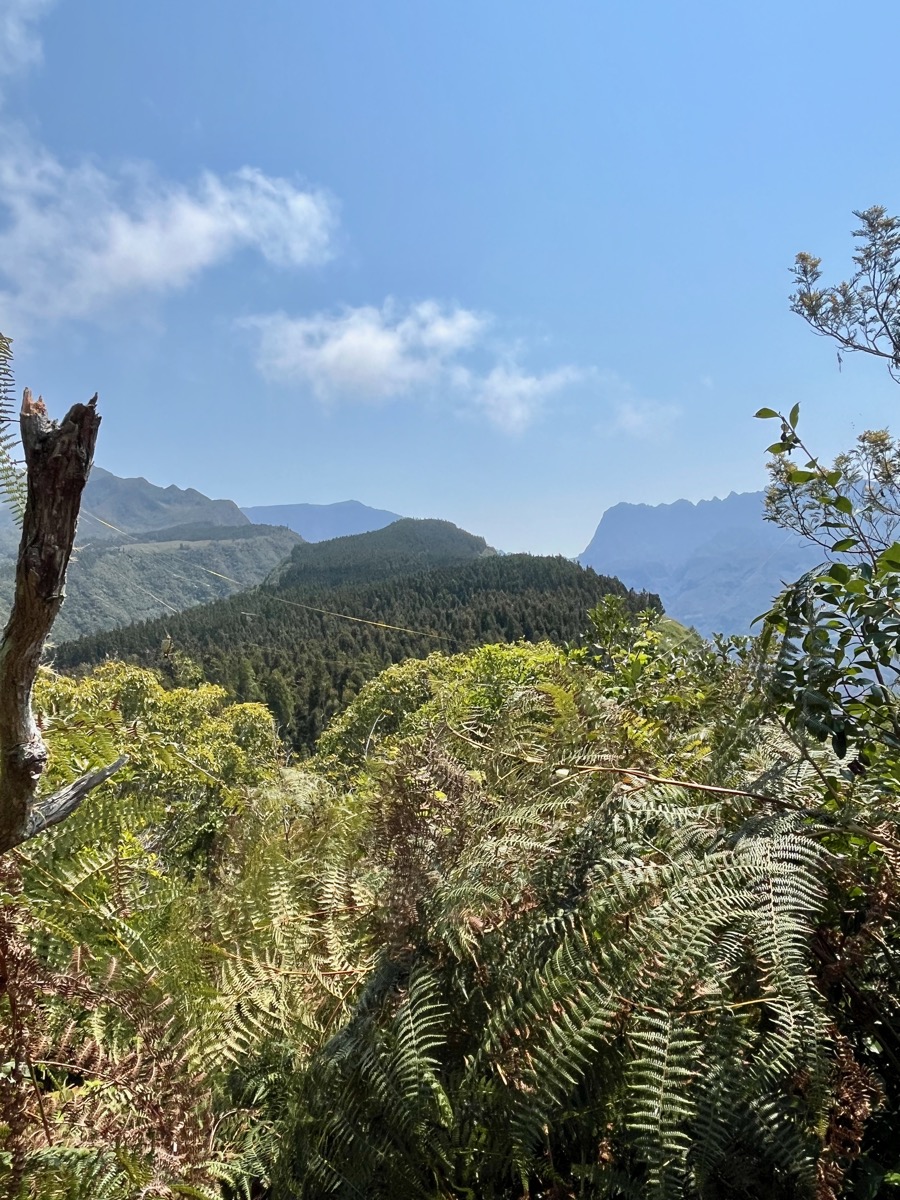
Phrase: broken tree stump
[58,460]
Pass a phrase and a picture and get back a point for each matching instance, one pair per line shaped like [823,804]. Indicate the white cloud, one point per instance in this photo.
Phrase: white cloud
[365,353]
[77,239]
[644,418]
[20,47]
[369,354]
[512,398]
[627,412]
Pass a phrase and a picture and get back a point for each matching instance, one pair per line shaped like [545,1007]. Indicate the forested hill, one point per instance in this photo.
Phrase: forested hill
[404,548]
[265,645]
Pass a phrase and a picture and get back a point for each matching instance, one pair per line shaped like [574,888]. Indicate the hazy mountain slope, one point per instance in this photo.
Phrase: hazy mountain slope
[135,505]
[282,644]
[319,522]
[116,584]
[716,564]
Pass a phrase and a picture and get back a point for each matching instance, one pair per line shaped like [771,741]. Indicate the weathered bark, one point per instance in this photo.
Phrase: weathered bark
[58,458]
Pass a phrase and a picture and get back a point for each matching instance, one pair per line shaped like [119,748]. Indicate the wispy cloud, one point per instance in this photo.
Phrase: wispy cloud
[78,239]
[645,418]
[629,413]
[369,354]
[512,398]
[365,353]
[20,46]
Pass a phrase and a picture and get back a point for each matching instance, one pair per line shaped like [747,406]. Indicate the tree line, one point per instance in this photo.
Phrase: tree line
[263,645]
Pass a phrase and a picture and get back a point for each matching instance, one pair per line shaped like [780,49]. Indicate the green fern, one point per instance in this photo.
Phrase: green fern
[496,959]
[622,995]
[13,487]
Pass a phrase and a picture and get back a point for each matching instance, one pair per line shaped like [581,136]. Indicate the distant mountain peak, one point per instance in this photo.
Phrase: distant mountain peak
[135,505]
[716,564]
[321,522]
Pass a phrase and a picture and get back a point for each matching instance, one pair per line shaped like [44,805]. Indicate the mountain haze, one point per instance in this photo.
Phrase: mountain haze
[320,522]
[716,564]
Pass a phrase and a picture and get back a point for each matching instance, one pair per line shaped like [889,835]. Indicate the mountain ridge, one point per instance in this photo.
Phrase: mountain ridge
[136,505]
[716,564]
[115,583]
[322,522]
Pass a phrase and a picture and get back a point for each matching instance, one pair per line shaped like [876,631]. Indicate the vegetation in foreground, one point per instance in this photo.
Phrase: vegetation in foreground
[612,921]
[485,944]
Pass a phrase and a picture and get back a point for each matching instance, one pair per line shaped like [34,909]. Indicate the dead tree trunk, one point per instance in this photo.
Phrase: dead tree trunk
[58,459]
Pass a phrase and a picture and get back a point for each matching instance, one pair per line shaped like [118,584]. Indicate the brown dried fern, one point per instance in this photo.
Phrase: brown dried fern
[91,1066]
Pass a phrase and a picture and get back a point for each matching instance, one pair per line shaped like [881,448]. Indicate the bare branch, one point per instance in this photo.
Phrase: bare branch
[50,810]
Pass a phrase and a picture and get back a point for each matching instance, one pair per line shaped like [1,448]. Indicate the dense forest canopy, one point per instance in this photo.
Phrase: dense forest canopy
[288,645]
[404,547]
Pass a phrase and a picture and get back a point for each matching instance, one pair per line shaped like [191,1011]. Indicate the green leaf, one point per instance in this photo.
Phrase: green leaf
[797,476]
[843,504]
[844,544]
[795,413]
[778,448]
[891,556]
[838,572]
[766,414]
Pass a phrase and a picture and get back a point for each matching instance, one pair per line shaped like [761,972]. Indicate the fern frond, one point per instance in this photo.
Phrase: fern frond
[12,475]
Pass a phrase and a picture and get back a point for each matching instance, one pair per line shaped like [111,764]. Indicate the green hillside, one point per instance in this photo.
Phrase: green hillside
[307,665]
[403,548]
[112,505]
[114,584]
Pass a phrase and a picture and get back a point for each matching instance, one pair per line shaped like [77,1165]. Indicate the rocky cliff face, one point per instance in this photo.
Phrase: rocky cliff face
[715,564]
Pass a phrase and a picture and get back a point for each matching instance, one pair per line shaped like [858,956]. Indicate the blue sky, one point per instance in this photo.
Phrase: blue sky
[506,263]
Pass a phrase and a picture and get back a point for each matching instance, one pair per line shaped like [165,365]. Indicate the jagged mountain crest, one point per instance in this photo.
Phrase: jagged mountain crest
[716,564]
[136,505]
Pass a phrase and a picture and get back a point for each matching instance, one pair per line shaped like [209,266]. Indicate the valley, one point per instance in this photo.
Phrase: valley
[715,565]
[336,613]
[450,665]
